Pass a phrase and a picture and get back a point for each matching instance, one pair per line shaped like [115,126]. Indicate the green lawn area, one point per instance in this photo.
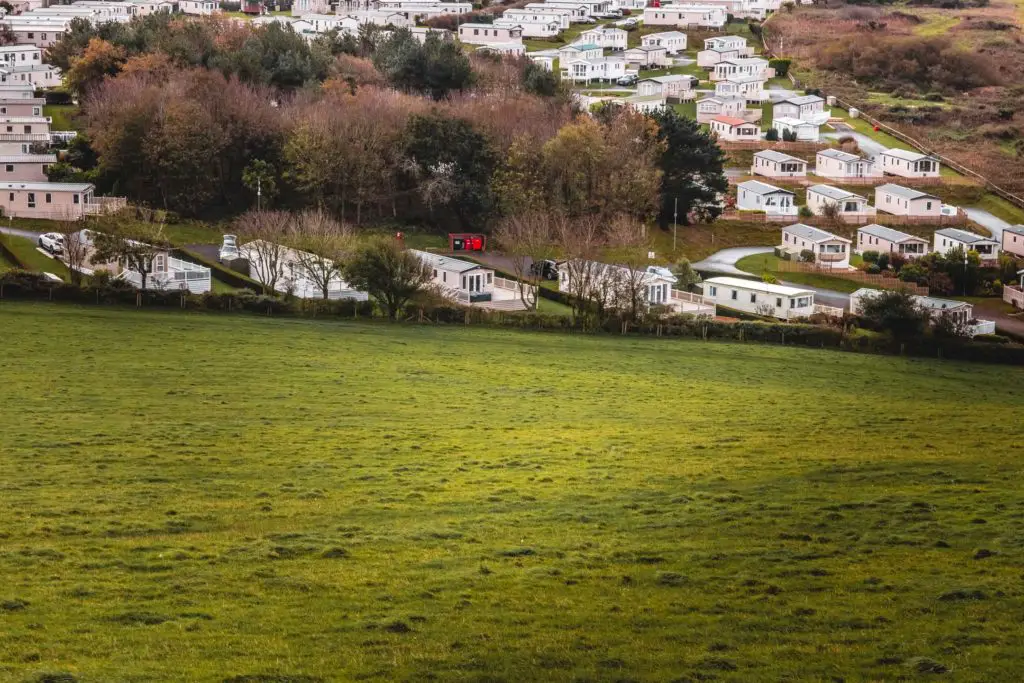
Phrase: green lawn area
[687,109]
[229,498]
[62,115]
[998,206]
[759,264]
[27,252]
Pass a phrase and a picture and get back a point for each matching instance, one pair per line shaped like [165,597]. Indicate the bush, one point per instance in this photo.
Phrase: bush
[807,256]
[58,97]
[805,212]
[771,135]
[870,256]
[913,272]
[992,338]
[781,66]
[873,269]
[789,136]
[883,261]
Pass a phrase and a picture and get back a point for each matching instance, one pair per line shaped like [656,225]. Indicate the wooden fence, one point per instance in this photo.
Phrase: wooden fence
[916,144]
[779,146]
[885,219]
[878,280]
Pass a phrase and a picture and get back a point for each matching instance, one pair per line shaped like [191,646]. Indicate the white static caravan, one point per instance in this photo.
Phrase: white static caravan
[810,108]
[885,240]
[673,41]
[754,195]
[906,201]
[836,164]
[847,203]
[906,164]
[774,164]
[947,239]
[292,274]
[961,312]
[760,298]
[829,249]
[803,130]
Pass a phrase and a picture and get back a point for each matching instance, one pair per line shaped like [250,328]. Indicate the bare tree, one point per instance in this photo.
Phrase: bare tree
[627,248]
[264,233]
[580,241]
[76,246]
[526,239]
[132,238]
[324,245]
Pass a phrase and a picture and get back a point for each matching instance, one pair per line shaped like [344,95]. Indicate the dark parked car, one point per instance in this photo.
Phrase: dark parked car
[546,270]
[627,80]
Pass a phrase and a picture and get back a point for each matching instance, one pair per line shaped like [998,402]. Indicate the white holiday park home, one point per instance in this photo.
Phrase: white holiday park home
[846,203]
[947,239]
[906,201]
[885,240]
[774,164]
[835,164]
[760,298]
[754,195]
[829,249]
[906,164]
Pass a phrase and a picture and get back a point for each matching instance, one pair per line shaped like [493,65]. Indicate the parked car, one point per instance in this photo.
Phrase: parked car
[627,80]
[629,24]
[612,14]
[52,242]
[546,270]
[588,20]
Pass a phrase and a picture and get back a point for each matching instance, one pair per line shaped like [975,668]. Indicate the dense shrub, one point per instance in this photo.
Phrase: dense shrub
[922,64]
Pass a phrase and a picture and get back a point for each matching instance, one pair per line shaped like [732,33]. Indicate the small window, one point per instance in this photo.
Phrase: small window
[490,278]
[31,200]
[3,110]
[9,168]
[735,295]
[10,129]
[778,302]
[75,198]
[435,272]
[753,298]
[49,198]
[11,198]
[712,290]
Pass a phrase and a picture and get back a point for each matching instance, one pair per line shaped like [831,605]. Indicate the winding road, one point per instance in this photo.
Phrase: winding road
[724,263]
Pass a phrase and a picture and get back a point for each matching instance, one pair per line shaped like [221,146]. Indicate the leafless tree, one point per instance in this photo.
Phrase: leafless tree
[627,247]
[264,233]
[526,239]
[580,241]
[76,245]
[324,244]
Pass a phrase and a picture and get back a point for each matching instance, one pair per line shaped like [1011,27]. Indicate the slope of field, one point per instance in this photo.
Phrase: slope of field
[238,499]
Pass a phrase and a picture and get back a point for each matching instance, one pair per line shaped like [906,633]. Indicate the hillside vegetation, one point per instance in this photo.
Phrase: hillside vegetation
[950,73]
[204,498]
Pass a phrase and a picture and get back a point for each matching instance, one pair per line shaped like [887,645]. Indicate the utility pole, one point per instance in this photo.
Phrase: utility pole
[675,217]
[259,193]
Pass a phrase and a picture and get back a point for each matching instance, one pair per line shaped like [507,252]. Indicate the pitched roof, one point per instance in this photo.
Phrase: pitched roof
[833,192]
[446,262]
[791,122]
[757,286]
[772,155]
[906,154]
[876,230]
[665,34]
[962,236]
[761,188]
[580,46]
[48,187]
[839,154]
[730,120]
[905,192]
[802,99]
[1015,229]
[930,302]
[811,233]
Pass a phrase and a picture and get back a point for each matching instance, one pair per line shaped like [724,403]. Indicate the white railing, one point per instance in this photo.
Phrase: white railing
[62,136]
[1013,294]
[102,205]
[680,295]
[830,311]
[180,274]
[515,286]
[983,327]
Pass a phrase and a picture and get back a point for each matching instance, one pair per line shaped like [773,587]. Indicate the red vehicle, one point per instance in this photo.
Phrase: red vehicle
[252,7]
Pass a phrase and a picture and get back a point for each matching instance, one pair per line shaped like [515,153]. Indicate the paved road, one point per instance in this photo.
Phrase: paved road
[987,220]
[30,234]
[724,263]
[866,144]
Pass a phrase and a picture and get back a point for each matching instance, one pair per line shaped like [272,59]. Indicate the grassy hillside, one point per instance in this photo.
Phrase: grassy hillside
[202,498]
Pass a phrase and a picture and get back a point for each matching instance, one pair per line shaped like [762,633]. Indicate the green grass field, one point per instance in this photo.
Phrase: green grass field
[758,264]
[199,497]
[26,251]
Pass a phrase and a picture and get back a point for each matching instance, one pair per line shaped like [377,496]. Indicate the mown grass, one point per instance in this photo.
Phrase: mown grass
[759,264]
[27,252]
[63,116]
[195,497]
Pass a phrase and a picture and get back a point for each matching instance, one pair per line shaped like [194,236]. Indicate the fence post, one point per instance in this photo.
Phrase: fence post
[138,299]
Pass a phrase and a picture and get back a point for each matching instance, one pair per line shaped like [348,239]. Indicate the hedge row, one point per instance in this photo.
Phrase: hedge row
[32,286]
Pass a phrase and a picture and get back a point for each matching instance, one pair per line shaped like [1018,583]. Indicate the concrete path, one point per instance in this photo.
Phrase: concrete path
[983,218]
[866,144]
[30,234]
[724,263]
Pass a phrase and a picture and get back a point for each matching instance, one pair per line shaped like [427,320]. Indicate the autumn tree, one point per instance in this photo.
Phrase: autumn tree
[626,246]
[390,274]
[99,60]
[573,163]
[436,67]
[580,242]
